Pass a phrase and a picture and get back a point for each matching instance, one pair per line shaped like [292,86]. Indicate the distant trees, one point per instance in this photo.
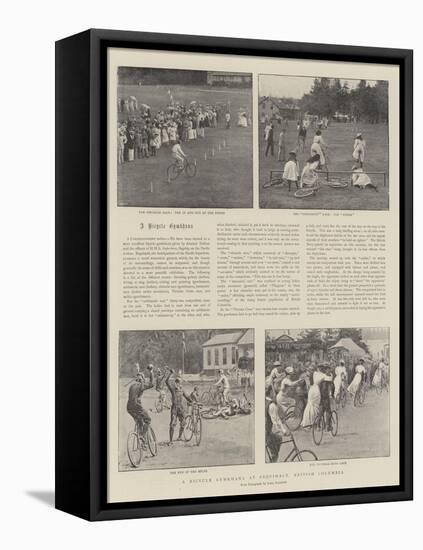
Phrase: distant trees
[147,76]
[364,102]
[164,347]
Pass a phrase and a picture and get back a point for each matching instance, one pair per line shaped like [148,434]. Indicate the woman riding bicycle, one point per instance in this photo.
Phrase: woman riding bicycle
[178,154]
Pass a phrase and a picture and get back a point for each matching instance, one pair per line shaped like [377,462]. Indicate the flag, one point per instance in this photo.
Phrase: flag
[184,346]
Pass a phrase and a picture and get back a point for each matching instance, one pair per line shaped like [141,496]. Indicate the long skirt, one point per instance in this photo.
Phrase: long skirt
[353,387]
[377,378]
[312,408]
[338,384]
[131,155]
[317,150]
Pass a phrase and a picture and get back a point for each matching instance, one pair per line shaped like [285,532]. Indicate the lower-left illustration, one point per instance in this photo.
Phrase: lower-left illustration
[186,398]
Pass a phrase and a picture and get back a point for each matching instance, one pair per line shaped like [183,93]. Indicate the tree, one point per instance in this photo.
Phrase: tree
[356,336]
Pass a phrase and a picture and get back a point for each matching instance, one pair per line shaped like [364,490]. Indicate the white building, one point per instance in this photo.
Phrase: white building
[224,351]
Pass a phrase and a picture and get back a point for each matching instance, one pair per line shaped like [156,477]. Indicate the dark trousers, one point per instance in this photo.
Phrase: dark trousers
[270,147]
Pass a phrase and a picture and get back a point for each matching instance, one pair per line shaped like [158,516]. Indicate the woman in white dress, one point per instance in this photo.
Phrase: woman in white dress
[190,130]
[340,378]
[356,381]
[313,400]
[317,147]
[309,175]
[360,179]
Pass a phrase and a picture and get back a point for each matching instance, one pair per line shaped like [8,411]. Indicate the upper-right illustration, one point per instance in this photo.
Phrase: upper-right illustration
[324,143]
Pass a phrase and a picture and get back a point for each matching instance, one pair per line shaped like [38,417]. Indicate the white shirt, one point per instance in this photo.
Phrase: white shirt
[177,150]
[290,171]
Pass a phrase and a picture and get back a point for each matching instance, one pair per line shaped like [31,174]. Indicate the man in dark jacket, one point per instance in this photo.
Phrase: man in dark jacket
[134,405]
[177,411]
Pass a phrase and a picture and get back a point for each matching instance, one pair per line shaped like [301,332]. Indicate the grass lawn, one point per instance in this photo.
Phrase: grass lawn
[340,138]
[224,180]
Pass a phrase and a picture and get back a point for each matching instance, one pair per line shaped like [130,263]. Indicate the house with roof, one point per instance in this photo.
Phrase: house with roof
[271,108]
[227,351]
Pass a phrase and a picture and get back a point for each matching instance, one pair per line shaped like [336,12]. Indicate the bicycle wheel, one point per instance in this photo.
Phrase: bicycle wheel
[272,182]
[198,431]
[304,192]
[343,398]
[134,449]
[304,456]
[173,172]
[317,430]
[159,405]
[188,429]
[151,441]
[293,417]
[190,169]
[334,423]
[338,184]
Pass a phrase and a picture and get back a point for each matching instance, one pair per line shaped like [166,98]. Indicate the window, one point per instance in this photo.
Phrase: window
[216,356]
[209,357]
[233,355]
[225,356]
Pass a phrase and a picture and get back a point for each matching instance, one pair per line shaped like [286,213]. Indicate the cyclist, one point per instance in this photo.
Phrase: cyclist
[327,389]
[178,154]
[223,385]
[134,405]
[274,428]
[177,411]
[340,378]
[358,380]
[283,398]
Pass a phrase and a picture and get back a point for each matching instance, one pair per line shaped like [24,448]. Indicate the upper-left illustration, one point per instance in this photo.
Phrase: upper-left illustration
[184,138]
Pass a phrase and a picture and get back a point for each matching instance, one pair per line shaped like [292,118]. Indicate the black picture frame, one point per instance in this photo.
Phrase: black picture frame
[81,273]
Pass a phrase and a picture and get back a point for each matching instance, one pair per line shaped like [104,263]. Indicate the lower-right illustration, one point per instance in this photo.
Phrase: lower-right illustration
[327,394]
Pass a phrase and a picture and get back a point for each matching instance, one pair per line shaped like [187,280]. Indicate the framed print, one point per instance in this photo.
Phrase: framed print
[233,275]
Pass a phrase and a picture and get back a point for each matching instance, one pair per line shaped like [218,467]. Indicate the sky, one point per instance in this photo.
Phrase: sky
[292,86]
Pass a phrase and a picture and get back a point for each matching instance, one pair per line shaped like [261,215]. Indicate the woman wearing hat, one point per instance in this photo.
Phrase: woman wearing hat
[283,398]
[341,376]
[317,148]
[309,175]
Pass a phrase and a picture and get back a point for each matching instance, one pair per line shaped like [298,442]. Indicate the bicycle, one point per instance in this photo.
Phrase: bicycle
[247,399]
[308,190]
[176,168]
[212,396]
[276,179]
[136,445]
[295,455]
[320,426]
[382,386]
[341,398]
[360,394]
[293,416]
[193,425]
